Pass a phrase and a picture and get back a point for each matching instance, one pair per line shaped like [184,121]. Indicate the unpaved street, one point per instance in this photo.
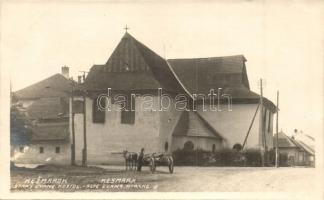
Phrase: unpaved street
[184,179]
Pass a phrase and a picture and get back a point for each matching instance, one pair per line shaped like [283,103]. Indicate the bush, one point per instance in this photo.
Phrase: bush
[283,159]
[253,157]
[224,157]
[227,157]
[190,157]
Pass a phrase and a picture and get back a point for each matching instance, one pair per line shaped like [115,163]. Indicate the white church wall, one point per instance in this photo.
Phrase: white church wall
[233,125]
[168,121]
[106,141]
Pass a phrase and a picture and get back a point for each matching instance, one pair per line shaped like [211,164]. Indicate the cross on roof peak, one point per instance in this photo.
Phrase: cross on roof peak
[126,28]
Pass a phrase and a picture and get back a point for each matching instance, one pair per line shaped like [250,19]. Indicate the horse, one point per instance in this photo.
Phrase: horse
[130,160]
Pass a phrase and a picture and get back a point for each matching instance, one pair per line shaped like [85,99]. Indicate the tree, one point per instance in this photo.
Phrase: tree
[20,134]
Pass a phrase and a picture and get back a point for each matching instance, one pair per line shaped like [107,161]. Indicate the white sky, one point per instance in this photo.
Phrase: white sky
[282,41]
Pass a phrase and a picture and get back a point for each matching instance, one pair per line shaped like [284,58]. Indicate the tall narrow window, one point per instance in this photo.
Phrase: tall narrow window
[98,116]
[57,150]
[265,120]
[41,149]
[166,146]
[269,122]
[128,117]
[21,149]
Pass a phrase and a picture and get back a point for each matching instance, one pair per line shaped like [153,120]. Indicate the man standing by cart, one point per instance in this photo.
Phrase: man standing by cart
[140,160]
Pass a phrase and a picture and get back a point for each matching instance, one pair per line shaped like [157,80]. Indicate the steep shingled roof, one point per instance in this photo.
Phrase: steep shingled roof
[132,66]
[191,124]
[302,145]
[200,75]
[54,86]
[283,141]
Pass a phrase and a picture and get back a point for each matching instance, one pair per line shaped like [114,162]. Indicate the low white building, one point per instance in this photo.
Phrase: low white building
[44,107]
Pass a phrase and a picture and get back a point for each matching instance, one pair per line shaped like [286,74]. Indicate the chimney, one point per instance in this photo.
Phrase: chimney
[79,79]
[65,71]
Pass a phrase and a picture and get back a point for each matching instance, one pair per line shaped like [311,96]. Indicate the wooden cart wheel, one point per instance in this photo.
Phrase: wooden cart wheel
[171,165]
[152,165]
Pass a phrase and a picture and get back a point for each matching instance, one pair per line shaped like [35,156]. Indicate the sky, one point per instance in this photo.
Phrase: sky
[282,42]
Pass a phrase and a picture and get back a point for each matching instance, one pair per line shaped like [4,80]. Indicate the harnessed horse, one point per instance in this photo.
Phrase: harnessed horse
[130,160]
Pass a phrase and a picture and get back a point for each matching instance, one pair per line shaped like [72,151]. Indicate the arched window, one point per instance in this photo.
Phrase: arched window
[237,147]
[213,148]
[166,146]
[188,145]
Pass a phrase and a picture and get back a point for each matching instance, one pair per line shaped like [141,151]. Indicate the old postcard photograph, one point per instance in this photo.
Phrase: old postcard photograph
[161,99]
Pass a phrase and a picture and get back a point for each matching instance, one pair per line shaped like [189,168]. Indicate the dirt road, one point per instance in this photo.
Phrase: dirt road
[184,179]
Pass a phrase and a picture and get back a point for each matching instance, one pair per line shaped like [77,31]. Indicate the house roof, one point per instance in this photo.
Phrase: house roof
[304,146]
[50,132]
[132,66]
[48,108]
[191,124]
[305,138]
[54,86]
[283,141]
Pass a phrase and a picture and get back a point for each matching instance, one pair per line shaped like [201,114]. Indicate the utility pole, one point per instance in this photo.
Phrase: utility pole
[72,122]
[84,152]
[262,149]
[277,128]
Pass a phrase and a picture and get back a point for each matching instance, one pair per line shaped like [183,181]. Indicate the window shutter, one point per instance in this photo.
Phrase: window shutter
[98,116]
[128,117]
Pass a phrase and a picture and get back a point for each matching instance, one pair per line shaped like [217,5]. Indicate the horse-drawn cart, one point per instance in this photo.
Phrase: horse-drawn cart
[154,160]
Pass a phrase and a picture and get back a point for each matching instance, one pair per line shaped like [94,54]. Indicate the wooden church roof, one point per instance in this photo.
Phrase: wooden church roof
[132,66]
[200,74]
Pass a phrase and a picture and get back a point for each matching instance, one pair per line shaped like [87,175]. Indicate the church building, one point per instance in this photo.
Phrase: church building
[164,105]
